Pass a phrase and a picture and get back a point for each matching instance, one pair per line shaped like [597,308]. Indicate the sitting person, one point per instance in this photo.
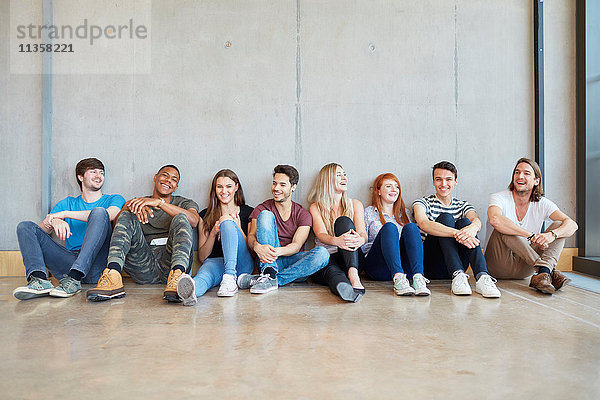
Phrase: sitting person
[222,247]
[339,227]
[83,222]
[449,227]
[152,240]
[517,247]
[394,250]
[278,230]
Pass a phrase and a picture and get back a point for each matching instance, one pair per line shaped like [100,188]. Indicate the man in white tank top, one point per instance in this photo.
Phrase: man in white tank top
[518,246]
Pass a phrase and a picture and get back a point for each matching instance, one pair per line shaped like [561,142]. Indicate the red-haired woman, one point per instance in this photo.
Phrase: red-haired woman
[394,249]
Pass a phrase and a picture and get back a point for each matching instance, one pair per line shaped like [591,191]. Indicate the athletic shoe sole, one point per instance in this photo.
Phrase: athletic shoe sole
[60,293]
[253,290]
[422,293]
[27,295]
[104,297]
[226,294]
[171,297]
[488,295]
[465,293]
[186,290]
[404,292]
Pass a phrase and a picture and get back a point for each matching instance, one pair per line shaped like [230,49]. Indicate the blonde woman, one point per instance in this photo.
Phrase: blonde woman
[339,226]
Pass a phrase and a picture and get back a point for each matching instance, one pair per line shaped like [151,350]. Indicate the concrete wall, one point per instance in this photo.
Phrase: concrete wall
[20,139]
[559,37]
[377,86]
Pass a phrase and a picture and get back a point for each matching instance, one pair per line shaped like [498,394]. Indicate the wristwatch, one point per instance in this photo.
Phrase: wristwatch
[162,201]
[531,237]
[554,234]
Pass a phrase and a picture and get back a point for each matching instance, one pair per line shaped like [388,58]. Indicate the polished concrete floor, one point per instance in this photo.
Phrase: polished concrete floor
[301,342]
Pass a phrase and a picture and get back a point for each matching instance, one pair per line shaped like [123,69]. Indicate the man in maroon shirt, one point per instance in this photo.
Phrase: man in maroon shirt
[278,229]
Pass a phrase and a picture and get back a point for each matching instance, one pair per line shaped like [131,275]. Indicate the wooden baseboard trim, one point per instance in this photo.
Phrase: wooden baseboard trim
[565,262]
[11,263]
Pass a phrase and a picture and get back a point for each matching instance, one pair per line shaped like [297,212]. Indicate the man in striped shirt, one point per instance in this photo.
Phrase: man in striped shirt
[449,228]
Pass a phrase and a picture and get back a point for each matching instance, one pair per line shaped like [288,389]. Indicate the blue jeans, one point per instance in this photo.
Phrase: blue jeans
[236,260]
[298,266]
[393,253]
[39,251]
[444,255]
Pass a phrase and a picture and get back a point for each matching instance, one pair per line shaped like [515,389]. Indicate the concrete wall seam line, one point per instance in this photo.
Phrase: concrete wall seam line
[47,114]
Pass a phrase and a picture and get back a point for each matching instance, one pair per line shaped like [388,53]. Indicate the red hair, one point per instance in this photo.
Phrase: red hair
[399,210]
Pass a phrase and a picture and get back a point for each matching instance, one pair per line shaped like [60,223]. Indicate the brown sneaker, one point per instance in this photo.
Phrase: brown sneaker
[542,282]
[170,293]
[559,279]
[110,286]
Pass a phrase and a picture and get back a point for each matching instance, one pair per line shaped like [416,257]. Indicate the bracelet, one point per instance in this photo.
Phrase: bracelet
[554,234]
[162,202]
[531,237]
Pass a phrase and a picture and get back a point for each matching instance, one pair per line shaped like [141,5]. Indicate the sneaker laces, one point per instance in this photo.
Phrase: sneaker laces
[173,278]
[35,283]
[263,278]
[104,279]
[463,275]
[401,281]
[67,282]
[488,281]
[227,282]
[420,280]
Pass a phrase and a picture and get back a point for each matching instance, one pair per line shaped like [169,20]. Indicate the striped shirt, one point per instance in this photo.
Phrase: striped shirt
[434,207]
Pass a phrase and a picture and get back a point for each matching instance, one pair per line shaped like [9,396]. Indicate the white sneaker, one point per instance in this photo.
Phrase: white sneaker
[460,284]
[420,285]
[402,286]
[228,286]
[486,285]
[186,290]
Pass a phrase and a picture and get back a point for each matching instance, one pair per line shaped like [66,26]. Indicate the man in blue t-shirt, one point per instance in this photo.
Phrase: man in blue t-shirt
[84,223]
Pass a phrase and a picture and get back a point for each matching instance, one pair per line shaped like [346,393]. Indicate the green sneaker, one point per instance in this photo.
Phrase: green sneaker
[264,284]
[66,288]
[246,281]
[36,287]
[402,286]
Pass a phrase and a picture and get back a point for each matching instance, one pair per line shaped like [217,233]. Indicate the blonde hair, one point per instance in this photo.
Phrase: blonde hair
[323,193]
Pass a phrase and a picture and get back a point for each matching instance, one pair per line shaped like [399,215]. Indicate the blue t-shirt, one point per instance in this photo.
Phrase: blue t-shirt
[77,204]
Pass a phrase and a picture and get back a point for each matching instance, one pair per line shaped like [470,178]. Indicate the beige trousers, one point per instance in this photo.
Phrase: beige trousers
[513,257]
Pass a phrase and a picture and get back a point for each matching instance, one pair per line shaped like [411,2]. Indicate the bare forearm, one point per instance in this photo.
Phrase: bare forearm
[504,225]
[252,242]
[436,229]
[173,210]
[78,215]
[327,239]
[566,229]
[476,223]
[290,249]
[205,250]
